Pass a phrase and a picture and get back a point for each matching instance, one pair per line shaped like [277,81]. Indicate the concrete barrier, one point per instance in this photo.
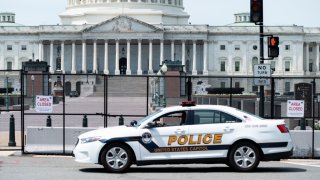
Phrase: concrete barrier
[302,141]
[49,140]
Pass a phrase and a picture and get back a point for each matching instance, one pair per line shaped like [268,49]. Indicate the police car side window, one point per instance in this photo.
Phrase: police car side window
[227,118]
[172,119]
[203,117]
[213,117]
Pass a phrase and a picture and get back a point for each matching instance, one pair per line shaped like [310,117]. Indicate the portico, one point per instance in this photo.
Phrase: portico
[142,56]
[141,47]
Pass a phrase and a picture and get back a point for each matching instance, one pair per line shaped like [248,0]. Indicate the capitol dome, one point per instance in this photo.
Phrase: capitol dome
[150,11]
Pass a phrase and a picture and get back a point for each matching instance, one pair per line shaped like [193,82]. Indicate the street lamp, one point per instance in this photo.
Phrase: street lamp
[49,86]
[32,79]
[163,71]
[7,96]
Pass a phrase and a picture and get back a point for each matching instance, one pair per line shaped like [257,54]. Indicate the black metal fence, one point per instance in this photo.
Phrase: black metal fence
[107,100]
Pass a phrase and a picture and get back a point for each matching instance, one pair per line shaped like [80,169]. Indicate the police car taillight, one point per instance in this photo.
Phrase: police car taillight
[188,103]
[283,128]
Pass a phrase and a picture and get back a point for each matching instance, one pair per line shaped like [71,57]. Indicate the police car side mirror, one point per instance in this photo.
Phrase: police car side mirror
[150,125]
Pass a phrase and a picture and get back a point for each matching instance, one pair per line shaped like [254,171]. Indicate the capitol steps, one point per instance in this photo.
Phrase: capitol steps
[121,87]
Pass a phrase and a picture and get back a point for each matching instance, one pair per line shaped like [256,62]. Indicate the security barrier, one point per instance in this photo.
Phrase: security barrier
[98,100]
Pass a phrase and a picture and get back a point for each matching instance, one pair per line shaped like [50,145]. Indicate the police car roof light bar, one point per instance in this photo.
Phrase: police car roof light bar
[188,103]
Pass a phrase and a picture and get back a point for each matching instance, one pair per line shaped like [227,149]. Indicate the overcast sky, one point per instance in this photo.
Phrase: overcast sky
[212,12]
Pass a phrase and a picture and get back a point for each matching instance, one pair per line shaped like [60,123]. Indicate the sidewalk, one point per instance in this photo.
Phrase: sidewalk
[5,150]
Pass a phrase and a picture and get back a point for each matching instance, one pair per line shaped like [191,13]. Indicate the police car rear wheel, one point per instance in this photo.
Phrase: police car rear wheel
[244,157]
[116,158]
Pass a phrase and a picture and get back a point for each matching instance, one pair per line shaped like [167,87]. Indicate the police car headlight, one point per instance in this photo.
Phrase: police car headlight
[90,139]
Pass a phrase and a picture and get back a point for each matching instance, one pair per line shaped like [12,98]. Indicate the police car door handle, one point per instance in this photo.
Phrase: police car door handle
[179,131]
[228,129]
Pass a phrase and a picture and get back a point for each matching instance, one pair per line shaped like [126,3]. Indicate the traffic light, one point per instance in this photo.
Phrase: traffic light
[273,46]
[256,13]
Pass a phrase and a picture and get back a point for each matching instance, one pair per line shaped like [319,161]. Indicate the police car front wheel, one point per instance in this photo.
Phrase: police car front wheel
[116,158]
[244,156]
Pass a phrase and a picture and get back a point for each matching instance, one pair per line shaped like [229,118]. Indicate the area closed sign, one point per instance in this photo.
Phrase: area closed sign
[44,104]
[295,108]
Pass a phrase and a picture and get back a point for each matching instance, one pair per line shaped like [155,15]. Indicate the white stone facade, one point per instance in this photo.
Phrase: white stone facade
[126,45]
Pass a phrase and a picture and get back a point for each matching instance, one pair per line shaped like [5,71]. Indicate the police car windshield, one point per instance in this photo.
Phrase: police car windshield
[139,122]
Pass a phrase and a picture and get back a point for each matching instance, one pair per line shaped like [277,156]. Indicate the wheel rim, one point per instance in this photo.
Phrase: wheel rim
[245,157]
[117,158]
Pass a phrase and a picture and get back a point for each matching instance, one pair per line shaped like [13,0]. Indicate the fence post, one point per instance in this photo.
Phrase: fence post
[85,121]
[121,120]
[49,124]
[12,139]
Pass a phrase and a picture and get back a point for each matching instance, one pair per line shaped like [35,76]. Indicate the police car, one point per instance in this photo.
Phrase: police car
[188,134]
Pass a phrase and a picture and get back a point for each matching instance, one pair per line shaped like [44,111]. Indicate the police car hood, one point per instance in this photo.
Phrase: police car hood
[111,132]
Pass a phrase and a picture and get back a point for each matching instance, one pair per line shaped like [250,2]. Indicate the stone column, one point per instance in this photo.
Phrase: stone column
[117,71]
[128,72]
[95,61]
[244,59]
[62,57]
[161,51]
[295,63]
[73,58]
[307,56]
[300,60]
[139,72]
[281,64]
[205,57]
[2,49]
[172,50]
[16,57]
[150,57]
[183,55]
[32,55]
[51,57]
[194,60]
[106,57]
[230,63]
[84,56]
[40,51]
[317,57]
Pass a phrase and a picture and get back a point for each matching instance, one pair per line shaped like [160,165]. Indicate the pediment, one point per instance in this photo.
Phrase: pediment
[122,24]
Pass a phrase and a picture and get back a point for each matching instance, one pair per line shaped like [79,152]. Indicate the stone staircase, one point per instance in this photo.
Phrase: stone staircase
[122,87]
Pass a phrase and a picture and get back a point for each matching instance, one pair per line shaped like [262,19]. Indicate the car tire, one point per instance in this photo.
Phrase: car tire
[116,158]
[244,157]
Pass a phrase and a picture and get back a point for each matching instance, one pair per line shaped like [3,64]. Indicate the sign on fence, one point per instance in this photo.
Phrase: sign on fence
[295,108]
[44,104]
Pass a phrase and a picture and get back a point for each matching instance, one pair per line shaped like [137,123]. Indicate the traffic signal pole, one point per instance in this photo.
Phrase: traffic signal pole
[262,98]
[256,16]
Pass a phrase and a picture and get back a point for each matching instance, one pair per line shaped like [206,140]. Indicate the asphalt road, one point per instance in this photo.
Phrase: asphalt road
[58,167]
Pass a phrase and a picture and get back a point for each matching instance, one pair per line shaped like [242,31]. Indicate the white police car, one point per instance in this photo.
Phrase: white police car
[188,134]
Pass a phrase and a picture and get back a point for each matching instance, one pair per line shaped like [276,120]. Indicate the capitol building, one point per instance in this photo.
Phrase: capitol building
[134,37]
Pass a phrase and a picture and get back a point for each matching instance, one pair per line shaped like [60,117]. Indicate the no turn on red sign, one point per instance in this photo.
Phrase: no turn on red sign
[295,108]
[261,71]
[44,104]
